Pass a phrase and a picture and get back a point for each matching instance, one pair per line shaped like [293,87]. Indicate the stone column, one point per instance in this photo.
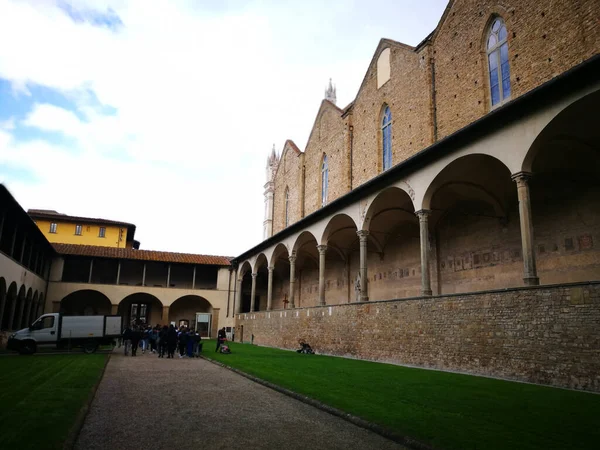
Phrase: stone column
[322,251]
[238,295]
[13,243]
[529,266]
[168,275]
[165,315]
[118,273]
[253,293]
[194,278]
[270,288]
[364,277]
[114,309]
[292,259]
[144,275]
[214,329]
[423,216]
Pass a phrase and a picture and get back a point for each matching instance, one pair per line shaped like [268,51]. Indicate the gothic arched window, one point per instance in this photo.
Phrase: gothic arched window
[287,205]
[324,180]
[386,133]
[497,52]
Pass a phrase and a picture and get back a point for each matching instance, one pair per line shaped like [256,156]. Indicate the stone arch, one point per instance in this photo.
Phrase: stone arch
[467,174]
[141,309]
[244,268]
[577,123]
[192,311]
[565,194]
[280,263]
[475,227]
[85,302]
[278,253]
[261,265]
[306,269]
[393,244]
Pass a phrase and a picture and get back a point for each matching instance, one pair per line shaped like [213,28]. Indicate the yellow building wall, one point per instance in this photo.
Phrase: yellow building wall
[65,234]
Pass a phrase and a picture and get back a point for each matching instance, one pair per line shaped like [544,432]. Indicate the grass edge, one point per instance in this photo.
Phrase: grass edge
[75,429]
[355,420]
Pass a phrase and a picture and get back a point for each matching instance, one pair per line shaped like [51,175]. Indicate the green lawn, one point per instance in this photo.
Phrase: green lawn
[445,410]
[41,396]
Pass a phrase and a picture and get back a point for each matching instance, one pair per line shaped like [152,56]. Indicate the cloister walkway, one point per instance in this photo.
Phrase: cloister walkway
[147,402]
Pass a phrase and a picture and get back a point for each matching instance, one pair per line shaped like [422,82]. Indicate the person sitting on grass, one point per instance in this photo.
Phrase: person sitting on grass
[221,338]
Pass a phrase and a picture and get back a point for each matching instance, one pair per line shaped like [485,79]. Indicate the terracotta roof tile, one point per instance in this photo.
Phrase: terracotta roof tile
[142,255]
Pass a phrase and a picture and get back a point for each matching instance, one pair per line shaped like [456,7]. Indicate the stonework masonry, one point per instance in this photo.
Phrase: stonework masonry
[434,90]
[545,335]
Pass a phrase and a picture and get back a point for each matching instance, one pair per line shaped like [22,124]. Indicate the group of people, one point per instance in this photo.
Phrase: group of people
[165,340]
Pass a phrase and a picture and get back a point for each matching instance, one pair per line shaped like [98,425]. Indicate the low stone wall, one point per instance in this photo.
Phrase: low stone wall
[547,335]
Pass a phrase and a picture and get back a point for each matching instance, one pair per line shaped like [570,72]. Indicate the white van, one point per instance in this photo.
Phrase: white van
[60,331]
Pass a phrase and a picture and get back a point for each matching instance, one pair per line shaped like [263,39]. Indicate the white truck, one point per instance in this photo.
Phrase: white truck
[61,331]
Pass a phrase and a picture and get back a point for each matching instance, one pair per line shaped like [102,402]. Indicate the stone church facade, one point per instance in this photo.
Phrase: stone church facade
[449,216]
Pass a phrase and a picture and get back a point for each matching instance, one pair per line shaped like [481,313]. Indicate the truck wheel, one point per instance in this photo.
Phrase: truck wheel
[28,348]
[90,347]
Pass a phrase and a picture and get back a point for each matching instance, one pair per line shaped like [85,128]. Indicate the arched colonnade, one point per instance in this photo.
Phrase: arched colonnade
[464,222]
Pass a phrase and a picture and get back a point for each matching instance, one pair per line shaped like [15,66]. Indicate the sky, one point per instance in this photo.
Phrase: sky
[162,113]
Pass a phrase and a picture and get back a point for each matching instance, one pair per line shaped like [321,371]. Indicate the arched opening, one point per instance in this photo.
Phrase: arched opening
[341,259]
[306,288]
[393,259]
[33,308]
[10,307]
[262,280]
[3,301]
[280,262]
[19,308]
[141,309]
[246,287]
[194,312]
[475,218]
[85,303]
[565,194]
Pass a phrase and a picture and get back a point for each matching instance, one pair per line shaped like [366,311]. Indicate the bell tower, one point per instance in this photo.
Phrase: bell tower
[272,164]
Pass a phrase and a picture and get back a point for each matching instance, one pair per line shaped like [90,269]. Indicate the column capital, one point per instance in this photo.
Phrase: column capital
[270,269]
[322,249]
[254,274]
[362,234]
[521,177]
[292,259]
[423,214]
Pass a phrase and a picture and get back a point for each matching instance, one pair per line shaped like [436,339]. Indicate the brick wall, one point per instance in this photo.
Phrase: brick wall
[408,94]
[327,138]
[544,40]
[288,175]
[546,335]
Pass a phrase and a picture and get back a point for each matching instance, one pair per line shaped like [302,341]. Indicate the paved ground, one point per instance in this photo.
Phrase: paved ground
[151,403]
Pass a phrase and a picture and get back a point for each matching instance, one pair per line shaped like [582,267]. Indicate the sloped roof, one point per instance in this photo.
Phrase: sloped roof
[53,215]
[141,255]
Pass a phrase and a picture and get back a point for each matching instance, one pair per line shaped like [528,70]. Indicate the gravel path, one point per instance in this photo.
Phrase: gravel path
[146,402]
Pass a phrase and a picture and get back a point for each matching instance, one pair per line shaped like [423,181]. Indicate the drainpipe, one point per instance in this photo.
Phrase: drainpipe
[228,292]
[351,157]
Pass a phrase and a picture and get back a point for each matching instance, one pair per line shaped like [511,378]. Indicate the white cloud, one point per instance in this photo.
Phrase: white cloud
[200,96]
